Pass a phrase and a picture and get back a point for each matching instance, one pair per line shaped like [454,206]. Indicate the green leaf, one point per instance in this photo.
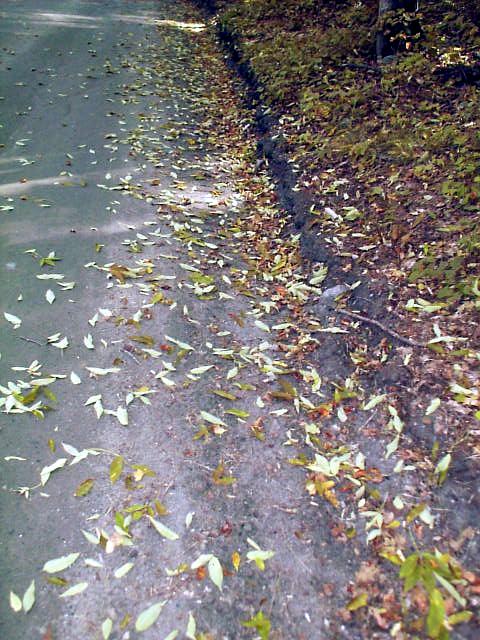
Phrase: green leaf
[460,617]
[224,394]
[198,371]
[88,341]
[57,581]
[182,345]
[149,616]
[443,464]
[15,320]
[60,564]
[74,378]
[191,628]
[450,589]
[50,296]
[201,561]
[122,416]
[260,623]
[84,488]
[107,627]
[374,401]
[93,539]
[163,530]
[259,556]
[215,572]
[410,571]
[209,417]
[75,590]
[261,325]
[239,413]
[436,614]
[146,340]
[29,597]
[219,478]
[15,602]
[116,469]
[97,371]
[392,447]
[415,512]
[146,471]
[433,406]
[358,602]
[123,570]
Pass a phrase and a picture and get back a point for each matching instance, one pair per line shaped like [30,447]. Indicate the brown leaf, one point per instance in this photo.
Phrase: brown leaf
[48,635]
[367,573]
[201,572]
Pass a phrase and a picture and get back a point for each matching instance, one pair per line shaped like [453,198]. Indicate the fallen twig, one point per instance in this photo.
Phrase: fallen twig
[394,334]
[131,355]
[40,344]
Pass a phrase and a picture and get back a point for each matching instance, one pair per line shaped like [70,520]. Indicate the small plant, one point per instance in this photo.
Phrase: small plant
[442,467]
[436,573]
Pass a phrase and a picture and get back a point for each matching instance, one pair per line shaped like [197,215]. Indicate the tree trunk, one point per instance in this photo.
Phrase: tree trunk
[391,26]
[384,6]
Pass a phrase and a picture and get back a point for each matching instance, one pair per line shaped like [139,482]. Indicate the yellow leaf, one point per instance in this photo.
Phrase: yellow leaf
[357,602]
[116,469]
[84,488]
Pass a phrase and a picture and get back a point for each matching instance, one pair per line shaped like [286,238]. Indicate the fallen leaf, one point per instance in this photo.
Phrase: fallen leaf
[149,616]
[75,590]
[15,602]
[28,599]
[163,530]
[215,572]
[123,570]
[107,626]
[116,468]
[47,471]
[50,296]
[84,488]
[60,564]
[357,602]
[15,320]
[236,558]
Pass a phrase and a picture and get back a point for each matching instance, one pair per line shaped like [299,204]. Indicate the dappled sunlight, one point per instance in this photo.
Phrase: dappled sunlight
[15,188]
[5,171]
[153,20]
[184,26]
[18,232]
[64,20]
[72,20]
[75,20]
[14,159]
[14,164]
[72,180]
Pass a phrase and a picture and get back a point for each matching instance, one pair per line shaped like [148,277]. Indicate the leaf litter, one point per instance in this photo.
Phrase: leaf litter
[262,268]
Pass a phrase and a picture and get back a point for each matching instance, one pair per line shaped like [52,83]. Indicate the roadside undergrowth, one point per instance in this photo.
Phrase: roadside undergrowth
[389,156]
[322,127]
